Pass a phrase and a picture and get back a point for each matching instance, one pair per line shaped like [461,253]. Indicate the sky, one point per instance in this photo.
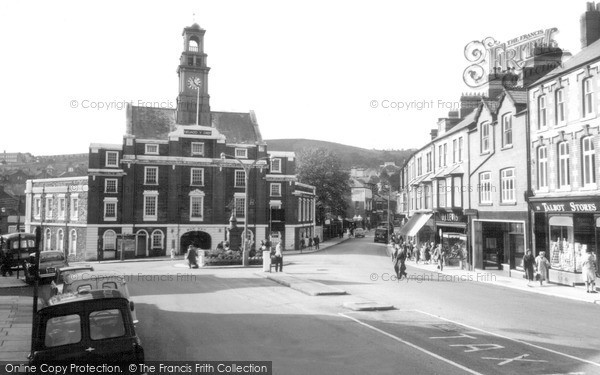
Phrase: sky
[325,70]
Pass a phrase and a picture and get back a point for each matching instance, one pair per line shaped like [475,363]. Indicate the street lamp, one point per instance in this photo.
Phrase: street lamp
[247,168]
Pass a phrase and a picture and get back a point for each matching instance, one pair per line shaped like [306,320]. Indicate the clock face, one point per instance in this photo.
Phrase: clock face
[194,83]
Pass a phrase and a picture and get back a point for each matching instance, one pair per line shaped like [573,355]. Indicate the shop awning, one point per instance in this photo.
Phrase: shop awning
[414,224]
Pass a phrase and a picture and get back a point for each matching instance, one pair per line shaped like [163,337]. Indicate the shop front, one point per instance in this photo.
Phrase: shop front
[419,228]
[451,232]
[565,230]
[499,244]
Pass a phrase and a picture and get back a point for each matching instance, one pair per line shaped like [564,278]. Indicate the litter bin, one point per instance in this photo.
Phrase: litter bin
[266,261]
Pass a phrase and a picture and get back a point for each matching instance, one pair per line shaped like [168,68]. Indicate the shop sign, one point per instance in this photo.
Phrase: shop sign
[196,132]
[566,206]
[449,217]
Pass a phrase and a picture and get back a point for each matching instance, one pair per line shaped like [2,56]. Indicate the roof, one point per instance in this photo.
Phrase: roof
[84,296]
[586,55]
[157,123]
[518,96]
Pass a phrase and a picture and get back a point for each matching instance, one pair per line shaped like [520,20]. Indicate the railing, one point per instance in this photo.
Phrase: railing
[192,48]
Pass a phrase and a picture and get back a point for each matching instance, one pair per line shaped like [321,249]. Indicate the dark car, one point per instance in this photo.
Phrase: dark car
[381,232]
[94,327]
[50,261]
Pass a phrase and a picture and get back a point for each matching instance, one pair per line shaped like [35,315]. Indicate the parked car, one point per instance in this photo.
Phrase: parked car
[50,261]
[58,283]
[98,280]
[14,251]
[95,327]
[359,232]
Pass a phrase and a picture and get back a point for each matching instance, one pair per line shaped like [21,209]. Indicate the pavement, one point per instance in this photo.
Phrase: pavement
[498,277]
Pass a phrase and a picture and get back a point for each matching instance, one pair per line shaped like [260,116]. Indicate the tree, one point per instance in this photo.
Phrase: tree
[323,169]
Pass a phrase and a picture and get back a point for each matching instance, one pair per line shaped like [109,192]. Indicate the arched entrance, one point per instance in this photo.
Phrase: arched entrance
[199,239]
[141,246]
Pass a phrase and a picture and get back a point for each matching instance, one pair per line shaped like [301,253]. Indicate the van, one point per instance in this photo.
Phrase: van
[82,282]
[94,327]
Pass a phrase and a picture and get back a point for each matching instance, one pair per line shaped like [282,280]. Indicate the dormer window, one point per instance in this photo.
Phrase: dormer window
[152,149]
[241,153]
[275,165]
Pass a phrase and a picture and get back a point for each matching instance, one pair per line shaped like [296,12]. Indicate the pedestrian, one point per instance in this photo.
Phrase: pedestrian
[316,242]
[440,253]
[399,262]
[528,265]
[278,257]
[310,243]
[416,251]
[427,253]
[302,243]
[172,253]
[542,266]
[588,268]
[192,257]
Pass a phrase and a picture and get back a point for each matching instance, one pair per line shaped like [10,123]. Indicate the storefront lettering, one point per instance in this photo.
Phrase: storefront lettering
[449,217]
[571,207]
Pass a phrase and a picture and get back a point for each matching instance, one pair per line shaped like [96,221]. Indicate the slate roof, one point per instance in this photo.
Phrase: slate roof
[586,55]
[157,123]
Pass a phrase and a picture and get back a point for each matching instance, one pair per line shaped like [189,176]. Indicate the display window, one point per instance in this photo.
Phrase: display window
[570,237]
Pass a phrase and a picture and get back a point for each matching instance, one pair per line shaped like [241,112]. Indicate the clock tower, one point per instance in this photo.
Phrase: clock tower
[193,79]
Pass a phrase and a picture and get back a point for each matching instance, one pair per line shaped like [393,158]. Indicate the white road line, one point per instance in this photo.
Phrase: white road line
[512,339]
[412,345]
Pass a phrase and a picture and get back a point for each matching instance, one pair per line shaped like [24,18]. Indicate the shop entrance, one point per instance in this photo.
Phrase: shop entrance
[199,239]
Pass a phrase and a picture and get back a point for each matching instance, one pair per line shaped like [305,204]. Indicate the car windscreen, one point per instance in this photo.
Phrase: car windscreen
[63,330]
[51,257]
[106,324]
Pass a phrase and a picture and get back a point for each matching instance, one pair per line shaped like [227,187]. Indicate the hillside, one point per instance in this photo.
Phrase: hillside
[351,156]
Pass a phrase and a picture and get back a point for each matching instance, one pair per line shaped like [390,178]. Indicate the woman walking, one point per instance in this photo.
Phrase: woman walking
[528,264]
[542,265]
[588,268]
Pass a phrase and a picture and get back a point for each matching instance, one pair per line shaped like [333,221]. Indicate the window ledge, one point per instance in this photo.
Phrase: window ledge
[486,204]
[110,219]
[508,203]
[506,147]
[150,218]
[196,219]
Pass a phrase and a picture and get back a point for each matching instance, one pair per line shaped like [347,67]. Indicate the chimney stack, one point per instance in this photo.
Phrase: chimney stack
[590,24]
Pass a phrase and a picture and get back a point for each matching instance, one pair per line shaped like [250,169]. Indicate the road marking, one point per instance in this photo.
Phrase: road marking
[412,345]
[515,340]
[517,358]
[454,337]
[480,347]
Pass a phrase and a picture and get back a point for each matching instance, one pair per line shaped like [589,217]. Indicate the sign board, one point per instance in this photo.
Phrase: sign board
[197,132]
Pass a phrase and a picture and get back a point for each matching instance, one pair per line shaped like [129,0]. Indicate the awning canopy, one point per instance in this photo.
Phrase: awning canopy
[414,224]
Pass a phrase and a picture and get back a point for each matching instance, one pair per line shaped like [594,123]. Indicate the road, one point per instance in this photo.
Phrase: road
[439,326]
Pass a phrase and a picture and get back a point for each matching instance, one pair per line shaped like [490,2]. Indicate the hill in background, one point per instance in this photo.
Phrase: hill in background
[351,156]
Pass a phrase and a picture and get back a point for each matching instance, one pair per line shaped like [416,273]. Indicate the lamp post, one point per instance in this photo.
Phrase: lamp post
[247,168]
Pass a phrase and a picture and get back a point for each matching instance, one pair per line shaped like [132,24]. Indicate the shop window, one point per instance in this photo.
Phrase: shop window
[570,237]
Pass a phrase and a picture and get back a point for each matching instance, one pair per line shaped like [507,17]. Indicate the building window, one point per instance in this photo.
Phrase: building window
[441,193]
[460,149]
[74,208]
[197,177]
[241,153]
[454,150]
[429,163]
[541,112]
[110,185]
[150,206]
[60,240]
[588,102]
[73,242]
[240,178]
[485,137]
[197,149]
[440,157]
[152,149]
[276,190]
[485,187]
[427,190]
[507,182]
[62,206]
[109,240]
[37,207]
[542,167]
[589,162]
[112,159]
[563,165]
[197,207]
[507,130]
[275,165]
[157,239]
[445,152]
[240,210]
[110,209]
[49,208]
[48,240]
[419,166]
[449,192]
[151,175]
[560,106]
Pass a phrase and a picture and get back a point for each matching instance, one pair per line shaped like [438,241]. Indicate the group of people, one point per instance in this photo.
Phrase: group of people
[403,250]
[310,242]
[276,255]
[538,268]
